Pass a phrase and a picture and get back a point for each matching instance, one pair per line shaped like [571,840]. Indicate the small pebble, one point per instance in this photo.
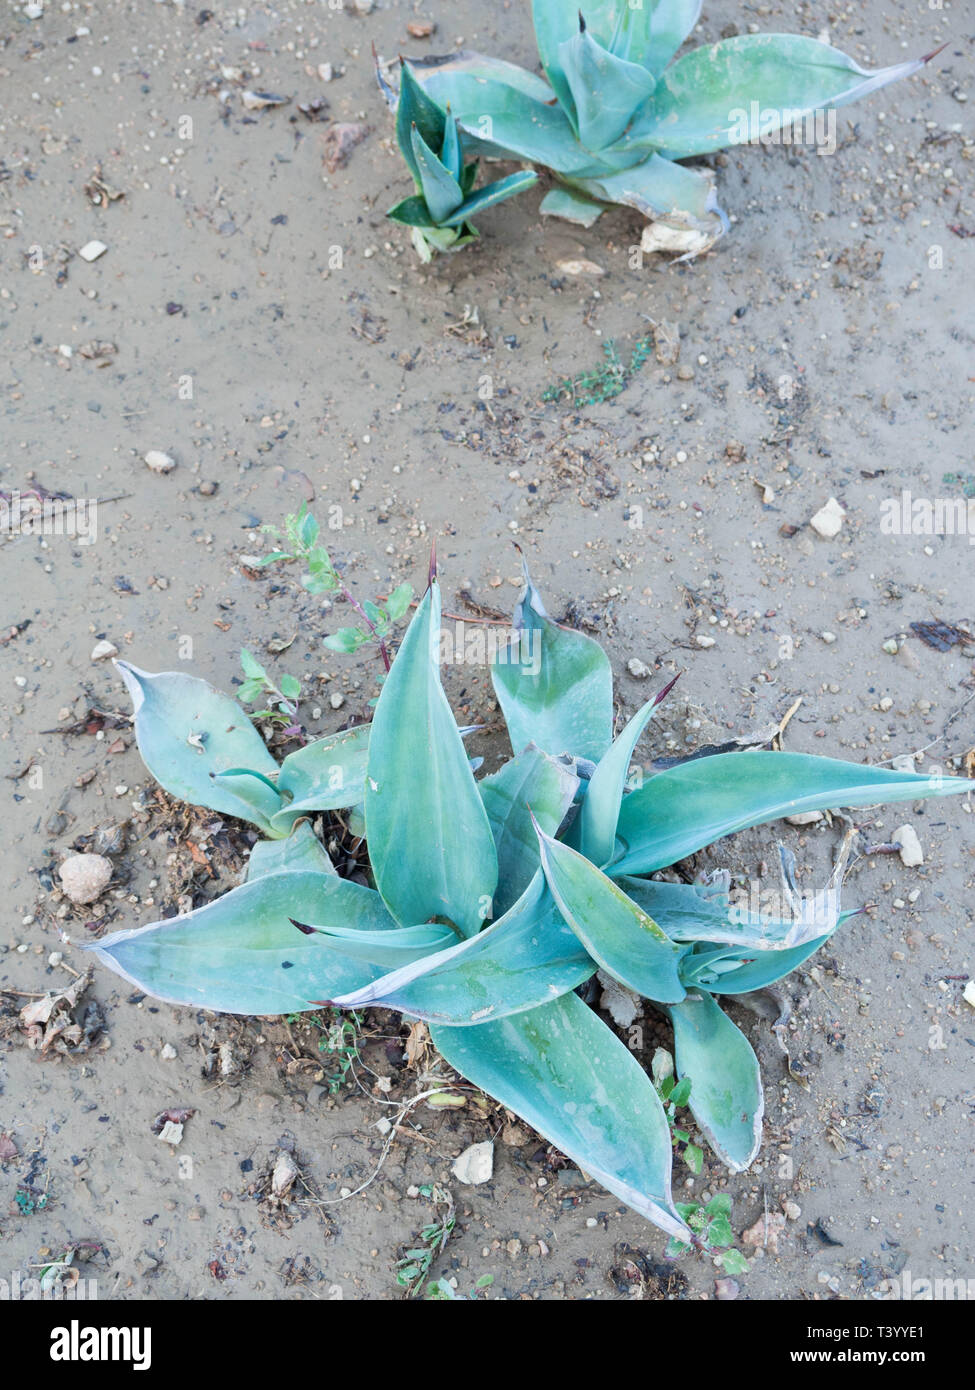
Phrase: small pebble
[911,852]
[160,462]
[101,651]
[638,669]
[828,520]
[475,1164]
[336,700]
[84,877]
[92,250]
[168,1053]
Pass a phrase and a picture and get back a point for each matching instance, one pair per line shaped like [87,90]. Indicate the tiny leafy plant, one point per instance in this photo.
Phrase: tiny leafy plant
[257,686]
[414,1265]
[711,1232]
[674,1095]
[301,541]
[613,115]
[605,382]
[439,212]
[493,900]
[338,1038]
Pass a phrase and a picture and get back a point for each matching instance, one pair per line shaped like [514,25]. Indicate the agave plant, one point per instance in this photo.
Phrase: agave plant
[496,899]
[440,210]
[612,115]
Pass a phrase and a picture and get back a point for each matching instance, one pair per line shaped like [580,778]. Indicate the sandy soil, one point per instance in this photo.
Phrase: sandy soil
[828,356]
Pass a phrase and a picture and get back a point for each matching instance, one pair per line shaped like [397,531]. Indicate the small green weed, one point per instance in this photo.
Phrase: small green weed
[300,541]
[413,1266]
[282,703]
[339,1039]
[604,382]
[711,1225]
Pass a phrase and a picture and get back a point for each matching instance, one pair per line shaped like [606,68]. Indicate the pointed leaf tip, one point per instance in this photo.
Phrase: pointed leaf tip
[662,694]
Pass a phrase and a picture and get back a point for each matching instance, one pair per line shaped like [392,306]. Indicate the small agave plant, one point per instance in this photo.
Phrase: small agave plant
[495,899]
[612,116]
[440,210]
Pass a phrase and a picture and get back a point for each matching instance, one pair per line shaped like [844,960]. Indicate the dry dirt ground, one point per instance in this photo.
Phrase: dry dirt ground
[829,345]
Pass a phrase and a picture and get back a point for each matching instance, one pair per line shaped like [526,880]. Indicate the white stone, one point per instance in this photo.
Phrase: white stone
[804,818]
[682,241]
[638,669]
[92,250]
[968,993]
[911,852]
[168,1053]
[101,651]
[703,641]
[84,877]
[828,637]
[828,520]
[336,700]
[171,1133]
[160,462]
[476,1164]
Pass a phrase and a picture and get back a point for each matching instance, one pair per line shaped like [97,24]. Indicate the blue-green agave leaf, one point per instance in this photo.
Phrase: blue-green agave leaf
[531,783]
[417,110]
[670,23]
[526,958]
[440,189]
[726,1087]
[594,832]
[188,733]
[240,954]
[605,90]
[704,912]
[571,206]
[412,212]
[451,156]
[325,775]
[389,949]
[648,33]
[503,110]
[615,931]
[754,84]
[679,811]
[301,850]
[554,685]
[565,1073]
[740,974]
[430,843]
[493,193]
[663,191]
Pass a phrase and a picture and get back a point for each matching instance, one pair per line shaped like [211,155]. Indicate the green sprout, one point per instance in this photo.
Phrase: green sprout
[300,542]
[712,1233]
[282,707]
[413,1267]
